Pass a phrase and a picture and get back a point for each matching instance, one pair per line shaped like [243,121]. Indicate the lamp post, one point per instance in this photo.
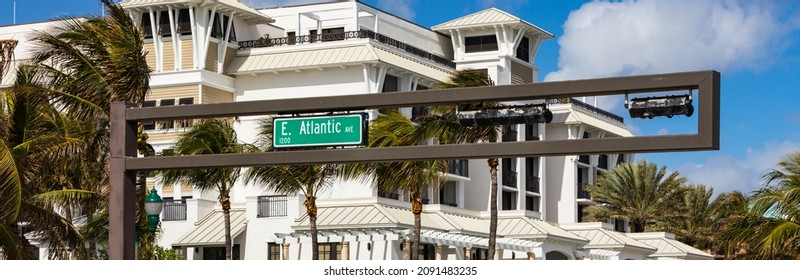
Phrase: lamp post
[153,205]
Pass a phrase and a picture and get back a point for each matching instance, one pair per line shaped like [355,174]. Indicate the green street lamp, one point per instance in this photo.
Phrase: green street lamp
[153,205]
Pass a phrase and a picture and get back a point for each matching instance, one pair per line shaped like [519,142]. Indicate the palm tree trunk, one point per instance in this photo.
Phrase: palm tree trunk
[225,200]
[416,209]
[311,210]
[493,163]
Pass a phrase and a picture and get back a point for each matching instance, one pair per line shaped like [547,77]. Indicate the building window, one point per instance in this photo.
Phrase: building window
[602,161]
[532,203]
[427,252]
[218,253]
[390,84]
[329,251]
[532,181]
[581,213]
[532,132]
[273,251]
[232,36]
[333,34]
[147,27]
[180,252]
[479,254]
[509,200]
[388,194]
[524,50]
[185,123]
[184,22]
[216,28]
[271,206]
[509,170]
[448,193]
[166,124]
[150,125]
[619,225]
[175,210]
[163,24]
[291,37]
[480,43]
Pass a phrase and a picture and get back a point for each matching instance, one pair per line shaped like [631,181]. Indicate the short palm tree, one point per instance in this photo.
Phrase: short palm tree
[442,125]
[730,213]
[778,206]
[640,193]
[392,129]
[210,136]
[293,179]
[693,220]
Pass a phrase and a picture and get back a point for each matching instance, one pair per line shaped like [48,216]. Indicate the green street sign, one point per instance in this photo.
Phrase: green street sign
[338,130]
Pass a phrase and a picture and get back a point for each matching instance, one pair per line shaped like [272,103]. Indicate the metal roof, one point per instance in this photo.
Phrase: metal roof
[667,246]
[210,230]
[600,235]
[529,228]
[242,11]
[568,114]
[290,58]
[488,17]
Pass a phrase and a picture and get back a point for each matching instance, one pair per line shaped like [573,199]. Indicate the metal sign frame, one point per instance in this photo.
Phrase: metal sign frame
[124,122]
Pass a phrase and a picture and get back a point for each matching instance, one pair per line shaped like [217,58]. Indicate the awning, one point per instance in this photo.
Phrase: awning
[668,247]
[210,230]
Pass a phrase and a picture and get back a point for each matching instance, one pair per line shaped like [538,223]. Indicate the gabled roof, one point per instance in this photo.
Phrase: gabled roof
[667,246]
[488,17]
[210,230]
[528,228]
[242,11]
[601,236]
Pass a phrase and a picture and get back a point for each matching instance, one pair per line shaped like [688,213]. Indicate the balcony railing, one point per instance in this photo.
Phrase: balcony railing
[584,159]
[458,167]
[271,206]
[361,34]
[602,161]
[510,178]
[582,192]
[174,211]
[532,184]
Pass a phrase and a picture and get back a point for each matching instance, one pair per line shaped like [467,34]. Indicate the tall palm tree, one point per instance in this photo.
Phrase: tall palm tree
[35,138]
[778,206]
[392,129]
[293,179]
[639,193]
[80,69]
[443,126]
[210,136]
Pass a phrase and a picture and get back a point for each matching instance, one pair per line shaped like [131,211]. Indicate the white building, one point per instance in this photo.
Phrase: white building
[205,51]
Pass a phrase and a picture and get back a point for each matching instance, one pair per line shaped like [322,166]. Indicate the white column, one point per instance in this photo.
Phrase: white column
[497,253]
[207,40]
[531,256]
[438,251]
[345,250]
[285,251]
[195,37]
[467,253]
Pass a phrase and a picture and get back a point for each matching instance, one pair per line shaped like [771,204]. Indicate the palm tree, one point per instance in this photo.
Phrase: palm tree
[210,136]
[640,193]
[6,55]
[392,129]
[293,179]
[732,221]
[79,70]
[443,126]
[778,207]
[693,220]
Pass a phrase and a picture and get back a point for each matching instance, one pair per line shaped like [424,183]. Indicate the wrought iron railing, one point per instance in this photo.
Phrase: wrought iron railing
[510,178]
[584,159]
[272,206]
[174,211]
[582,192]
[361,34]
[458,167]
[532,184]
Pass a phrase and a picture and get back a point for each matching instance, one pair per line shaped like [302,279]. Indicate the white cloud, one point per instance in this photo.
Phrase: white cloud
[401,8]
[640,37]
[725,173]
[663,131]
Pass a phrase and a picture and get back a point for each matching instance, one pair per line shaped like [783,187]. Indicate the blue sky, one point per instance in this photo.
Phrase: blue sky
[754,44]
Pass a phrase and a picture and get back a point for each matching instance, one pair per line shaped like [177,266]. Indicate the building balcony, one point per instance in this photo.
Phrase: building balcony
[532,184]
[272,206]
[510,178]
[582,192]
[339,36]
[458,167]
[584,159]
[174,211]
